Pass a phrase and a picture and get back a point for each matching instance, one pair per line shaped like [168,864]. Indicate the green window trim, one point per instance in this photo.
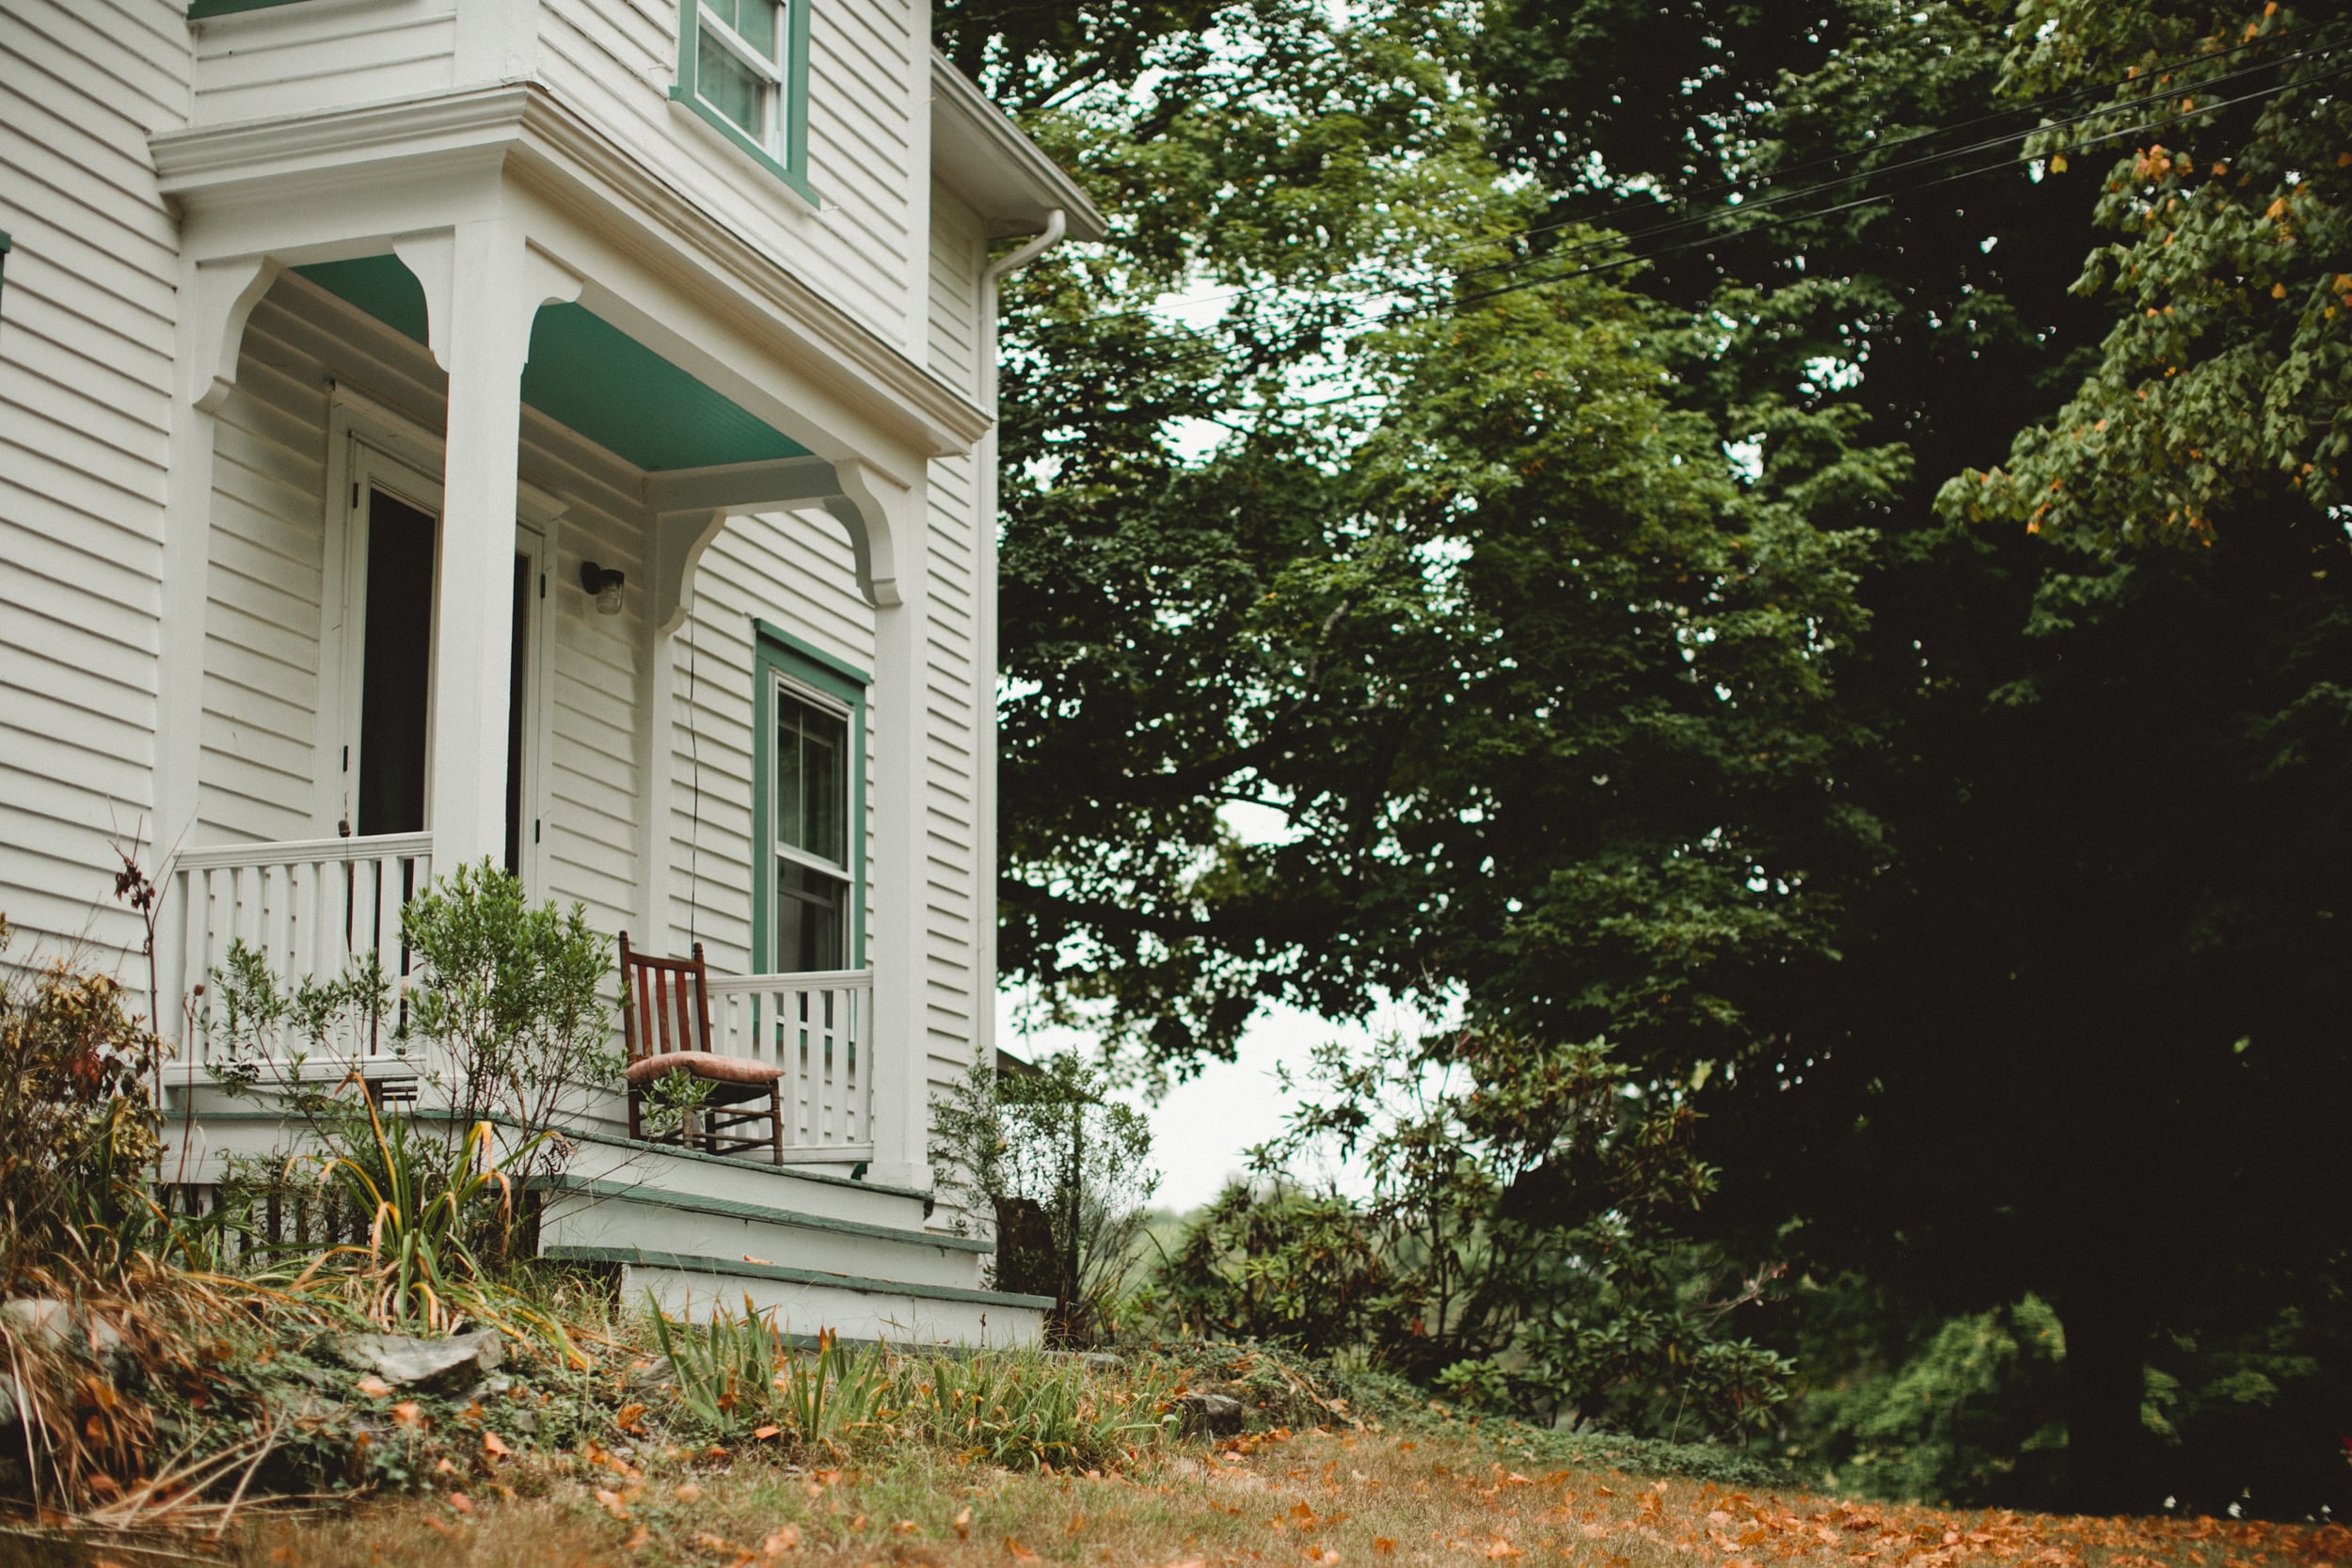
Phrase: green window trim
[791,163]
[776,653]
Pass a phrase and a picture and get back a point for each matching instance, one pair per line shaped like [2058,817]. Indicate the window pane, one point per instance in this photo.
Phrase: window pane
[755,23]
[812,911]
[728,85]
[811,779]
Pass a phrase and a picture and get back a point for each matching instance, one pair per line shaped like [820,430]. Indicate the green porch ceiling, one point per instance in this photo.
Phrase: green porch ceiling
[589,374]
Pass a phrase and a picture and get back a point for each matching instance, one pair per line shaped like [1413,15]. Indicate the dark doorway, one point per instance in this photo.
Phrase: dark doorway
[516,665]
[396,670]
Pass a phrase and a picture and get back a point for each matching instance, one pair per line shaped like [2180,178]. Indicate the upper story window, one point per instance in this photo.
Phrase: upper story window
[742,68]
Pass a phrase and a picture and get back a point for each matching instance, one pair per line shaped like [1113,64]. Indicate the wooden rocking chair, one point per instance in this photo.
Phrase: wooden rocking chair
[665,1024]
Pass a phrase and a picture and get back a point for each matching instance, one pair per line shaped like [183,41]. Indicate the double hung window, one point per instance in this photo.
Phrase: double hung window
[811,816]
[741,69]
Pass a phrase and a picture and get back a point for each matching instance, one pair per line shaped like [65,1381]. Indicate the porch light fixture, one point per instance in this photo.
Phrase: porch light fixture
[603,584]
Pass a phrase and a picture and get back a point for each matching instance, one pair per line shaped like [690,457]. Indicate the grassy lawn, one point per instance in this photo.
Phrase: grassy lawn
[1312,1498]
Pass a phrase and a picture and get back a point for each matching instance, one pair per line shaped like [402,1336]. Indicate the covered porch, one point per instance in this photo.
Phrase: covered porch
[538,398]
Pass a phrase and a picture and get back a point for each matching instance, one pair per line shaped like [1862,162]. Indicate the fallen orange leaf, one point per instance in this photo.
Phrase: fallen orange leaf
[963,1522]
[408,1412]
[375,1387]
[637,1538]
[461,1503]
[763,1433]
[1019,1552]
[627,1416]
[784,1539]
[1384,1543]
[687,1491]
[495,1446]
[611,1502]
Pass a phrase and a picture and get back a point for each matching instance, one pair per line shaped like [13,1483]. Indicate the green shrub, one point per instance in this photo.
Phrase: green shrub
[1519,1250]
[1064,1175]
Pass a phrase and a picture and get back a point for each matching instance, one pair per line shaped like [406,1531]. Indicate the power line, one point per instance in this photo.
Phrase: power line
[1712,216]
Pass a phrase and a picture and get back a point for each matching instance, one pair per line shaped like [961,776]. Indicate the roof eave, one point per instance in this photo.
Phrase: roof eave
[981,155]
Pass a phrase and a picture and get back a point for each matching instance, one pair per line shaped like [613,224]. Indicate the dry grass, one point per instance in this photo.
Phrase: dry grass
[1312,1498]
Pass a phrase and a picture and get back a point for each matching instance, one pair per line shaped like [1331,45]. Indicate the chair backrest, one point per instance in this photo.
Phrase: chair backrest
[665,1003]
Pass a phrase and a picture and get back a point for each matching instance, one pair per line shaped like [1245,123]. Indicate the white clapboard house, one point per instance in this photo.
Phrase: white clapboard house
[558,431]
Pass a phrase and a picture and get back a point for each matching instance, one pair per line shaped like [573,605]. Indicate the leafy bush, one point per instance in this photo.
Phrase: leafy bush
[1276,1263]
[506,1006]
[1518,1250]
[78,1122]
[1065,1177]
[511,998]
[1966,1417]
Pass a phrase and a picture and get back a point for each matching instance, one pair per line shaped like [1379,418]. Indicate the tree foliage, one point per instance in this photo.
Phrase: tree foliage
[1887,653]
[1521,1246]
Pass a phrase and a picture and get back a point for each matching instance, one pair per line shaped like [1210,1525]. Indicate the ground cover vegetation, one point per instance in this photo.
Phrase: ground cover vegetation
[1798,545]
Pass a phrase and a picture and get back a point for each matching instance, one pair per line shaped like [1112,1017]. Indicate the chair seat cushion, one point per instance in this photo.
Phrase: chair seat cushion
[702,1064]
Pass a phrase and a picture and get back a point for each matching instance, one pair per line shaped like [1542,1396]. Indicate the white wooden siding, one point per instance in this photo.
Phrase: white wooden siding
[86,318]
[295,60]
[959,253]
[615,61]
[795,570]
[954,990]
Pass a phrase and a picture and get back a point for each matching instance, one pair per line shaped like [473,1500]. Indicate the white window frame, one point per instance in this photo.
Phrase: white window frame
[774,107]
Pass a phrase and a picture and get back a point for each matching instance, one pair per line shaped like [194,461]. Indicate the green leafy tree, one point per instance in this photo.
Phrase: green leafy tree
[1519,1246]
[2106,774]
[1484,630]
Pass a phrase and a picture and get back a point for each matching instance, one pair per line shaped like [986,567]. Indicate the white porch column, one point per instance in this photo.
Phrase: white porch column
[898,869]
[215,299]
[483,286]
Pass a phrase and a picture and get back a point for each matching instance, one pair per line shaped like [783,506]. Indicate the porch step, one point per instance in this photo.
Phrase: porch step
[732,1179]
[213,1132]
[582,1211]
[806,1300]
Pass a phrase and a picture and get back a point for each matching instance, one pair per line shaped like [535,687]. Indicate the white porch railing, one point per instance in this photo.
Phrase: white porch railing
[309,908]
[817,1027]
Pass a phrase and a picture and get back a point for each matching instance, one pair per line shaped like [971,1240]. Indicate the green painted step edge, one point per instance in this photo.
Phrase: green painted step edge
[728,1208]
[737,1268]
[614,1141]
[199,9]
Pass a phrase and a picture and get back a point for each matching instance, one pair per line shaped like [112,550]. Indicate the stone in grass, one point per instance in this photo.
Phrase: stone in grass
[53,1324]
[408,1363]
[1207,1412]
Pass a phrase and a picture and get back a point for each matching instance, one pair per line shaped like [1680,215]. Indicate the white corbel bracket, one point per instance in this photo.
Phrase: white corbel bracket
[685,511]
[224,295]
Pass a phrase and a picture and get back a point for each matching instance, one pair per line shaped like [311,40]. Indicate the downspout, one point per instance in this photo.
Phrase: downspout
[1056,224]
